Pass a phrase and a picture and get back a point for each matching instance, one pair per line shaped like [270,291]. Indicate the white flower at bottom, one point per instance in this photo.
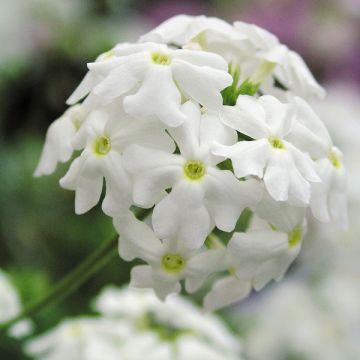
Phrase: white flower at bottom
[58,147]
[169,260]
[254,259]
[82,339]
[141,306]
[157,331]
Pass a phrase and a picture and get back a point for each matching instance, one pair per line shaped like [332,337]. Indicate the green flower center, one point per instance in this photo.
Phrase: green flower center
[161,58]
[102,145]
[276,143]
[173,262]
[334,159]
[194,169]
[294,236]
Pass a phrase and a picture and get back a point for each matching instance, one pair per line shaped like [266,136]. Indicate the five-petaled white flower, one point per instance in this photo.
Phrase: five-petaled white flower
[105,135]
[285,169]
[169,260]
[255,258]
[202,195]
[153,79]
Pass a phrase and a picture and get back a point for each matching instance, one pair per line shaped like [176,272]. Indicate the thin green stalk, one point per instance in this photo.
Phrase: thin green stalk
[73,280]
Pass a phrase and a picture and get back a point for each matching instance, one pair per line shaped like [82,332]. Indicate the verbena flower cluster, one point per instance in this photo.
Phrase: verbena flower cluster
[135,325]
[204,123]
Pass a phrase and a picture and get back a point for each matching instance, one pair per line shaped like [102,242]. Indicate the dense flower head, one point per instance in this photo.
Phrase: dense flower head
[208,126]
[133,324]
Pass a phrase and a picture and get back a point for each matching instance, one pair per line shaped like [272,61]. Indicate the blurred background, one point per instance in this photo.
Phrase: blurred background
[45,45]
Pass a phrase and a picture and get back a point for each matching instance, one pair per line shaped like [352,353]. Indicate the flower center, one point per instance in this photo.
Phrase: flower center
[173,262]
[194,169]
[102,145]
[161,58]
[334,159]
[276,143]
[294,236]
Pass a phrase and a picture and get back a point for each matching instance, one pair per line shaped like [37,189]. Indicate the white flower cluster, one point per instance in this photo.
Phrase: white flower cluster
[135,325]
[198,121]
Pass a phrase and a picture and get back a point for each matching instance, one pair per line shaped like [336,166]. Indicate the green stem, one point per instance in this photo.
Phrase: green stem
[93,263]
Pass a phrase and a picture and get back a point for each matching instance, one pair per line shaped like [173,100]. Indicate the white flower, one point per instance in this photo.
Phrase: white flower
[202,195]
[262,255]
[289,68]
[200,33]
[160,331]
[258,52]
[169,261]
[328,198]
[254,259]
[153,79]
[109,60]
[58,146]
[286,170]
[107,134]
[279,214]
[82,339]
[176,313]
[10,306]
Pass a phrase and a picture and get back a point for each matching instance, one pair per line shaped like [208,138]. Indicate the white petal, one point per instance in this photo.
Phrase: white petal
[277,116]
[250,250]
[57,147]
[226,291]
[158,95]
[274,268]
[118,186]
[247,117]
[202,84]
[182,215]
[148,245]
[153,172]
[70,179]
[117,83]
[142,277]
[89,186]
[213,130]
[187,134]
[304,163]
[279,213]
[207,262]
[202,58]
[277,177]
[125,130]
[85,86]
[260,256]
[248,157]
[226,197]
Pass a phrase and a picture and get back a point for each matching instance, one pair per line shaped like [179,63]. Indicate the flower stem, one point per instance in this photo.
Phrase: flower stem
[73,280]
